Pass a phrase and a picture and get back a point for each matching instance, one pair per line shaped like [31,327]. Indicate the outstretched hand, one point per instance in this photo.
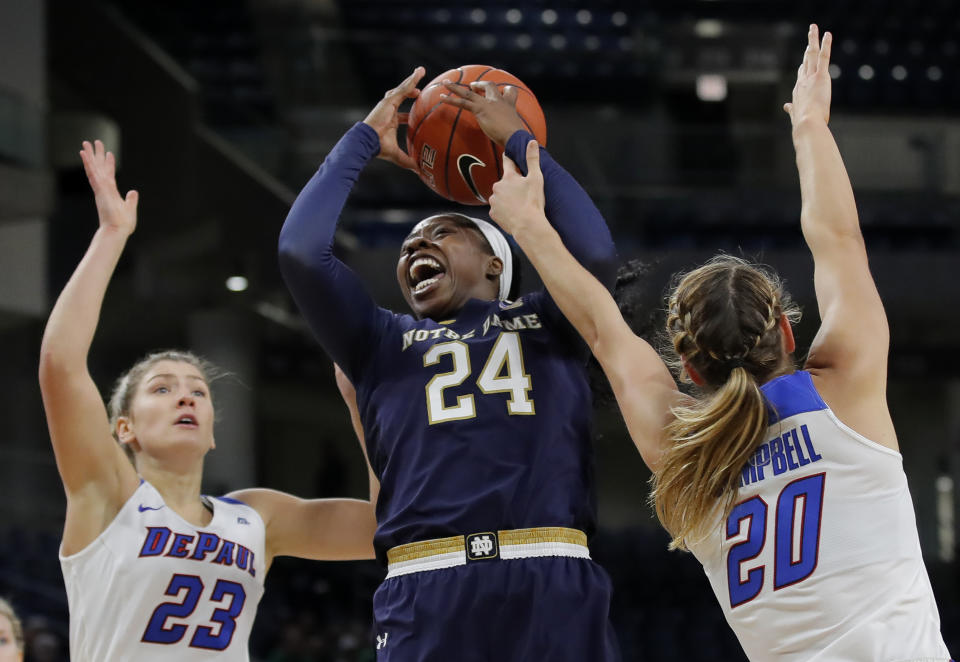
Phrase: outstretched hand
[385,119]
[811,94]
[115,212]
[495,110]
[517,201]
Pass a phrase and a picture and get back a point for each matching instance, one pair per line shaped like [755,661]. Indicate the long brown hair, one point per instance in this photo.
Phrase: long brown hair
[723,320]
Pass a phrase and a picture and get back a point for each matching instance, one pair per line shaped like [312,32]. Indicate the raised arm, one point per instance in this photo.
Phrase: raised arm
[848,357]
[320,529]
[97,476]
[571,212]
[331,297]
[567,206]
[644,389]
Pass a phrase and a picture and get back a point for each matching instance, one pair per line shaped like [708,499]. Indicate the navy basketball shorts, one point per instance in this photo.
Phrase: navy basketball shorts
[551,608]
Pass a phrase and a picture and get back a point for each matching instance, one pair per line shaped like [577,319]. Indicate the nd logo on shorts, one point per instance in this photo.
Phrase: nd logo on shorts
[482,546]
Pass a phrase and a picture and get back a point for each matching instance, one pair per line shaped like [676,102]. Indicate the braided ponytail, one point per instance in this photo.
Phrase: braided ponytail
[723,323]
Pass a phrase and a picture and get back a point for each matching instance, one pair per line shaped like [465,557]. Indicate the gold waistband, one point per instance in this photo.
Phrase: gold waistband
[543,534]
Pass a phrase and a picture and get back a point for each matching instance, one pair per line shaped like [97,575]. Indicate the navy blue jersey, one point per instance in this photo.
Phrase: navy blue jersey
[479,424]
[475,424]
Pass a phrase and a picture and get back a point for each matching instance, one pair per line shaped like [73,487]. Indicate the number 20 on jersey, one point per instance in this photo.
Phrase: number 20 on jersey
[795,525]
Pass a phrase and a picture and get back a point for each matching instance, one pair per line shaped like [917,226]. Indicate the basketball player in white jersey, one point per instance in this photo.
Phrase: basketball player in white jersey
[11,634]
[153,569]
[787,485]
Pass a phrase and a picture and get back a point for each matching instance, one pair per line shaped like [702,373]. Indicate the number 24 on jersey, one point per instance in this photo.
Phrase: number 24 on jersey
[503,372]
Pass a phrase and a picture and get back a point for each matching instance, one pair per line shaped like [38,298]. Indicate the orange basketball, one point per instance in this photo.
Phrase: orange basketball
[454,156]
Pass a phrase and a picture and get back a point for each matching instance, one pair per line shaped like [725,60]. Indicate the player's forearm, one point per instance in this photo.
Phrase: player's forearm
[571,212]
[334,530]
[829,211]
[73,320]
[582,299]
[307,235]
[330,296]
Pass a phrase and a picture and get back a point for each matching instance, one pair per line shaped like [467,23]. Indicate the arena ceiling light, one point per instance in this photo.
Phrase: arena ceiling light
[237,283]
[711,87]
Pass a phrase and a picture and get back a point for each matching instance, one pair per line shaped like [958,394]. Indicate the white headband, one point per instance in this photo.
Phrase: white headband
[501,249]
[499,244]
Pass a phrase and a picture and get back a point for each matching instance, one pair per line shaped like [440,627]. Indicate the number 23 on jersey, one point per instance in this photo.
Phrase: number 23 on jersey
[223,620]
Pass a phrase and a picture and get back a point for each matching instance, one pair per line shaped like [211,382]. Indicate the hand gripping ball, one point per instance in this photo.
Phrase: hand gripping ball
[454,157]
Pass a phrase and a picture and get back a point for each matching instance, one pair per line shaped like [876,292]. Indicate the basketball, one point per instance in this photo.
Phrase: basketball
[454,156]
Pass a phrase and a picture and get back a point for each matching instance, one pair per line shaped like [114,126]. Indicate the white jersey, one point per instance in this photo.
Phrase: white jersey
[820,558]
[154,587]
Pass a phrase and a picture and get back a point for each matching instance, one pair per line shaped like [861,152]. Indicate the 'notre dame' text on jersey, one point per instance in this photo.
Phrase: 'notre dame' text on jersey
[482,422]
[474,425]
[478,423]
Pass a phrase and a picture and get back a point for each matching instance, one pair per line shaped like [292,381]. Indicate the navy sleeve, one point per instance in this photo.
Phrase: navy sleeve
[336,305]
[572,214]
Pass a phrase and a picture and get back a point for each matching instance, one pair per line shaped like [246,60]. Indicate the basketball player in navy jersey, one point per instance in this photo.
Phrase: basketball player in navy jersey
[787,485]
[476,411]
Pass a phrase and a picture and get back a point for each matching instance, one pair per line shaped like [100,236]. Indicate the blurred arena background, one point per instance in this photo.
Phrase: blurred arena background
[667,111]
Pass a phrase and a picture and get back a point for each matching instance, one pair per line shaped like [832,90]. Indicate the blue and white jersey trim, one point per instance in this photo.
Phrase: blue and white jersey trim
[790,395]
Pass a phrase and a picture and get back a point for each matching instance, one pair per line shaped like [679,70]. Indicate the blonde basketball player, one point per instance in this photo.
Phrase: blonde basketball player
[153,569]
[787,485]
[11,634]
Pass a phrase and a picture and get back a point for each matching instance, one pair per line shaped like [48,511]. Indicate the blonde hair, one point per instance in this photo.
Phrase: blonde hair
[121,399]
[723,320]
[6,609]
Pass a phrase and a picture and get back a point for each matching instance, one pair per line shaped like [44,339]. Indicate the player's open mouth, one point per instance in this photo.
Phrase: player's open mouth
[424,274]
[186,421]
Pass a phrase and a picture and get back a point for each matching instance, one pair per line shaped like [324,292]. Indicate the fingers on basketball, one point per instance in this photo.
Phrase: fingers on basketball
[452,100]
[454,156]
[409,85]
[485,88]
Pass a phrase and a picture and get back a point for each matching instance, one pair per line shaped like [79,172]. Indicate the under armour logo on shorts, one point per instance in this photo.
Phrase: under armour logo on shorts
[482,546]
[382,641]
